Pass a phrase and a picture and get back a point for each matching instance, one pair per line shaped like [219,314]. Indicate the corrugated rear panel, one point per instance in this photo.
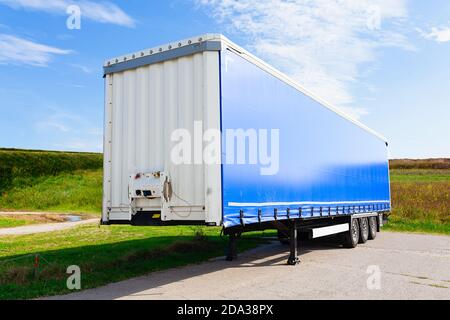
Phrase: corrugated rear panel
[147,105]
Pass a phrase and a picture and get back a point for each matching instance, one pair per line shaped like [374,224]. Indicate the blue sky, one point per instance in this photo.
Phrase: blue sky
[386,62]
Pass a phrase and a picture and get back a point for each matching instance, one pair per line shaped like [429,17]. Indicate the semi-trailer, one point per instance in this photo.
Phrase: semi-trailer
[200,131]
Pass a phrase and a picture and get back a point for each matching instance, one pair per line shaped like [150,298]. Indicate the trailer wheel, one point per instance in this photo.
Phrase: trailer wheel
[373,228]
[364,230]
[351,237]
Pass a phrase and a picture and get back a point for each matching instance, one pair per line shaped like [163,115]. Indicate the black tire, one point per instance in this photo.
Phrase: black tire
[364,230]
[351,238]
[283,237]
[373,228]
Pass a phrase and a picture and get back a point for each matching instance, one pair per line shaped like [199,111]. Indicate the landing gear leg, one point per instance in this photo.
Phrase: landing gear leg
[232,248]
[293,235]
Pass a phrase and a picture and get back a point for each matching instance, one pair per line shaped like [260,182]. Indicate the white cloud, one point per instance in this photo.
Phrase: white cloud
[103,12]
[14,50]
[60,121]
[52,125]
[82,68]
[84,145]
[440,35]
[323,44]
[354,112]
[66,130]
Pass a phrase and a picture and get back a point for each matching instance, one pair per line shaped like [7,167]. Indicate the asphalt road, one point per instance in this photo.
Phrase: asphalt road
[410,266]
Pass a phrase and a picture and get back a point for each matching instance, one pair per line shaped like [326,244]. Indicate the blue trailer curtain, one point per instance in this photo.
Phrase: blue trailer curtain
[328,165]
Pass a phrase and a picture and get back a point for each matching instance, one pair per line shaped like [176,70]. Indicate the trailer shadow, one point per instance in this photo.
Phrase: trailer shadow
[269,255]
[276,254]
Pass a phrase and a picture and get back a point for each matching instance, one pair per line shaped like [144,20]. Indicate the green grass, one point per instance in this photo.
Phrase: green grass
[6,222]
[420,175]
[399,224]
[77,192]
[105,255]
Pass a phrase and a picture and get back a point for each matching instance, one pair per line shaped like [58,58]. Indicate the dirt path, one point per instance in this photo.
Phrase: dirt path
[42,228]
[25,213]
[409,266]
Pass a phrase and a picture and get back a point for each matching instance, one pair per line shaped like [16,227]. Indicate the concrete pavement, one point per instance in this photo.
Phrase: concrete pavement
[394,266]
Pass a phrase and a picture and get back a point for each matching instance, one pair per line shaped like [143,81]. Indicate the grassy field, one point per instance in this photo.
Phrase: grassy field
[23,168]
[421,200]
[104,255]
[420,196]
[50,181]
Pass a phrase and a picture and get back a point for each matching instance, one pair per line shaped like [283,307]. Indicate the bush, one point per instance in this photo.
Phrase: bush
[5,178]
[420,164]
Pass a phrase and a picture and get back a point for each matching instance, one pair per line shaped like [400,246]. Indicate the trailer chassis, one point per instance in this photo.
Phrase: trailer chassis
[313,227]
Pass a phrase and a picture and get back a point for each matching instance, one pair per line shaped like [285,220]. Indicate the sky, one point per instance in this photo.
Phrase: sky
[384,62]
